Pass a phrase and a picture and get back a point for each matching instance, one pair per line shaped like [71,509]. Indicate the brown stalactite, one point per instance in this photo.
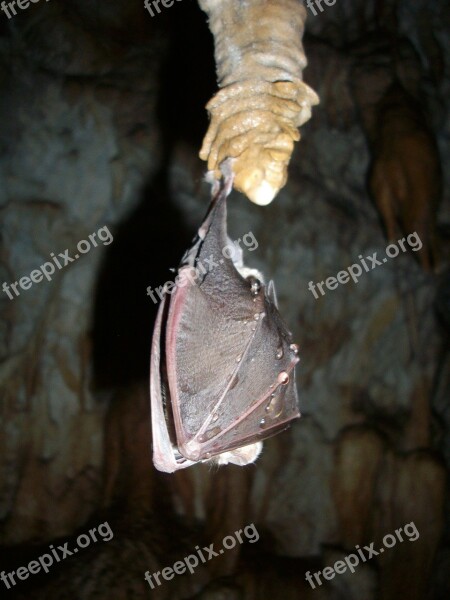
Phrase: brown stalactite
[405,178]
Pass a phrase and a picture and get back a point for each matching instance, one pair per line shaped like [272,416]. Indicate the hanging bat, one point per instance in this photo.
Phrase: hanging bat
[222,361]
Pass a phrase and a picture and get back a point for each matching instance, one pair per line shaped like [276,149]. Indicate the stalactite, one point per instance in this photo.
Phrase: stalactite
[262,99]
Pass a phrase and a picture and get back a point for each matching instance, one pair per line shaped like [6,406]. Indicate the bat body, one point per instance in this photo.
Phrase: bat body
[222,363]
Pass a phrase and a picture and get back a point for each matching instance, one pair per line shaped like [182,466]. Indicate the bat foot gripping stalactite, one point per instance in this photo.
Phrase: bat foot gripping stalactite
[222,364]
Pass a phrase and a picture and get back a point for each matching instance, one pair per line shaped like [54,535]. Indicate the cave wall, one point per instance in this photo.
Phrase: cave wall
[100,126]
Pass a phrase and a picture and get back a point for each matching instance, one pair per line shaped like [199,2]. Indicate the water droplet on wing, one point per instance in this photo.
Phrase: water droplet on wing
[255,285]
[233,381]
[212,433]
[283,378]
[275,406]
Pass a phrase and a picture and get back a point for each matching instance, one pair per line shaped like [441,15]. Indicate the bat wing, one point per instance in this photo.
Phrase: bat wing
[222,358]
[165,457]
[232,383]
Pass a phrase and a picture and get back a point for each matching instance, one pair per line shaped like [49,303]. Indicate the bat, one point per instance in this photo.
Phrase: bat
[222,373]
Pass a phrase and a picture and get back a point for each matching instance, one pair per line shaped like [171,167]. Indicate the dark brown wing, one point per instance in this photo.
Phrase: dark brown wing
[229,362]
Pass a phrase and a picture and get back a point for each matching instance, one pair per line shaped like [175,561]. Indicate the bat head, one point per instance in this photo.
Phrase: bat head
[222,364]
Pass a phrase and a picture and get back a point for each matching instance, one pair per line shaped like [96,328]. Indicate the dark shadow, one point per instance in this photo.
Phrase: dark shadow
[188,77]
[146,245]
[153,238]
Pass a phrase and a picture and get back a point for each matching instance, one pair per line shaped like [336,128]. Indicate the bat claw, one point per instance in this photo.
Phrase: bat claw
[228,175]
